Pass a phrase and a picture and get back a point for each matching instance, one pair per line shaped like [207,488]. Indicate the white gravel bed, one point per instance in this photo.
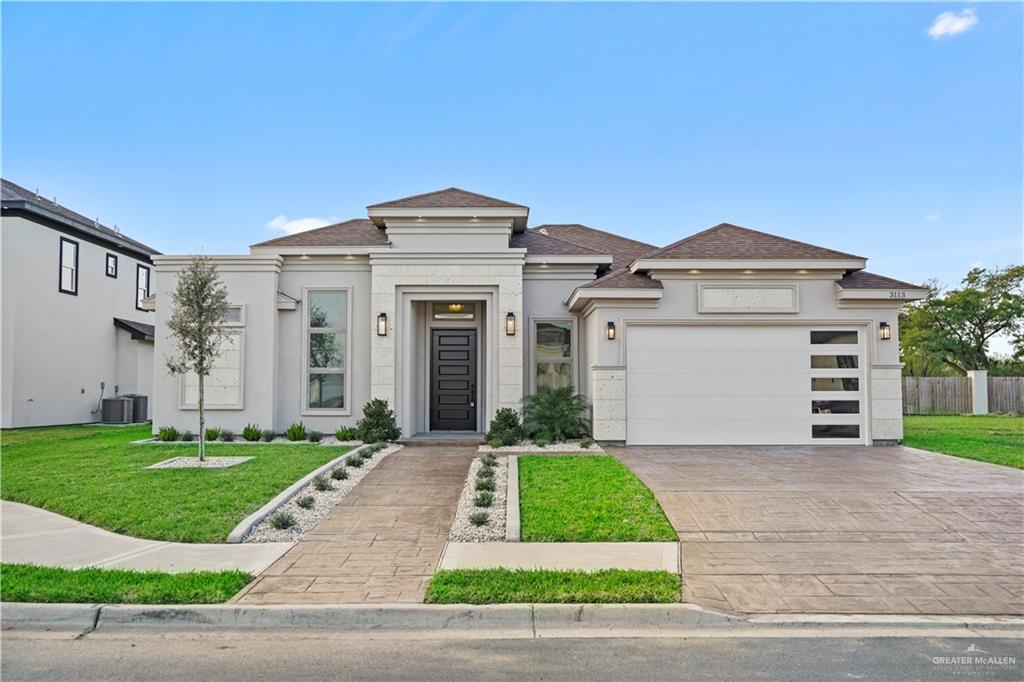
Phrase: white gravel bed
[325,501]
[327,442]
[494,530]
[530,447]
[194,463]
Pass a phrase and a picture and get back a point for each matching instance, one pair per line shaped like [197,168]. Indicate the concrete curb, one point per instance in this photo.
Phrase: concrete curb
[250,521]
[506,620]
[512,501]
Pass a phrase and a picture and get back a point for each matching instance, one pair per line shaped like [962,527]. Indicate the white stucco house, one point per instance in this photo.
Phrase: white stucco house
[448,306]
[74,325]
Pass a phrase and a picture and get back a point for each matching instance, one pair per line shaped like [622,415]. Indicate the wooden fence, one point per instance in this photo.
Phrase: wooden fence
[952,395]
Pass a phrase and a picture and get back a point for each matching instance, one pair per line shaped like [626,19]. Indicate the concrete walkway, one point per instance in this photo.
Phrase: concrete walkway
[382,543]
[30,535]
[586,556]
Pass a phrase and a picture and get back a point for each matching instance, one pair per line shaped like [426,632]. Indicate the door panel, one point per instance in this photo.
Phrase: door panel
[453,380]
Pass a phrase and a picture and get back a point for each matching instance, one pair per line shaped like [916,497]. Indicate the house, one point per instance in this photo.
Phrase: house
[446,305]
[74,328]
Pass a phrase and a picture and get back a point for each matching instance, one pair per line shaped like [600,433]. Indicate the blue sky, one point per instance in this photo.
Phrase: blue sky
[193,126]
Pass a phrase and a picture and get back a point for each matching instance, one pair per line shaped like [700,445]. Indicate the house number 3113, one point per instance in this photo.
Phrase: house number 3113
[897,294]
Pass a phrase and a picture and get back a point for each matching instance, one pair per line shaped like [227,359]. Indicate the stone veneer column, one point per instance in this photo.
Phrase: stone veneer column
[886,403]
[608,385]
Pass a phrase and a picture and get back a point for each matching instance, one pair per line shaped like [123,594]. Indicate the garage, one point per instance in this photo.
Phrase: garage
[745,385]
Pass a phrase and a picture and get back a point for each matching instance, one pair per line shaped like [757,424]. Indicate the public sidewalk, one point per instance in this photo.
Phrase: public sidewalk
[30,535]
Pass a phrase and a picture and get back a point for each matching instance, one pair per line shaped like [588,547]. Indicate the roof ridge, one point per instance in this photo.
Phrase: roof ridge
[594,229]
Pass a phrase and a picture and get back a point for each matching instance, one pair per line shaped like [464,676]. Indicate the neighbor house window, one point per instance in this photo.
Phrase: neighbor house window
[553,357]
[68,266]
[326,349]
[141,285]
[111,265]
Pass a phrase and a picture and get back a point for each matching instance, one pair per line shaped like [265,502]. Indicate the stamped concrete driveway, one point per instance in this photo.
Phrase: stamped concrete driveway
[841,529]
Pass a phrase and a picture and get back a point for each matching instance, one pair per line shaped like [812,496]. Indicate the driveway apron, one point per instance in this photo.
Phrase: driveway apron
[382,543]
[888,530]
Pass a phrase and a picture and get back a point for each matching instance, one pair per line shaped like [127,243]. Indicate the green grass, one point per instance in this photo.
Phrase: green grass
[587,499]
[990,438]
[505,586]
[94,474]
[28,583]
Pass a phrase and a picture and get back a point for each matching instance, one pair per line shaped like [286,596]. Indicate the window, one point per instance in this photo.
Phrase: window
[835,384]
[833,362]
[233,317]
[454,311]
[141,285]
[111,265]
[835,407]
[326,349]
[553,360]
[68,266]
[835,431]
[845,336]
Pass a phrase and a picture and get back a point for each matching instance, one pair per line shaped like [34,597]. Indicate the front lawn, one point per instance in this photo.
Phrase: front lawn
[587,499]
[990,438]
[28,583]
[93,474]
[505,586]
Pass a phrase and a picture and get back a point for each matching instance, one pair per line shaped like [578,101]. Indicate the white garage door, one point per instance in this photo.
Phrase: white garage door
[716,385]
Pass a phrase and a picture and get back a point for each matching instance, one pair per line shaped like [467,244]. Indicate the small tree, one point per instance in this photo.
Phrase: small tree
[198,306]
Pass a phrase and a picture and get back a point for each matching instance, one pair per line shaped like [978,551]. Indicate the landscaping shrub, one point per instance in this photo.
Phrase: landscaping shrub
[227,435]
[489,460]
[356,461]
[251,433]
[267,436]
[322,484]
[541,442]
[339,473]
[484,472]
[478,518]
[282,520]
[188,437]
[586,443]
[346,433]
[167,434]
[315,436]
[505,429]
[555,415]
[483,499]
[378,423]
[212,433]
[305,502]
[296,432]
[485,484]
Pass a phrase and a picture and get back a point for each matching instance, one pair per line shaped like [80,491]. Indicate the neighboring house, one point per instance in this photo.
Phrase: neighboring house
[447,306]
[74,330]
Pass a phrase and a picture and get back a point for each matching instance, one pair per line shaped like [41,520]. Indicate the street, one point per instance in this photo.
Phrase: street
[287,655]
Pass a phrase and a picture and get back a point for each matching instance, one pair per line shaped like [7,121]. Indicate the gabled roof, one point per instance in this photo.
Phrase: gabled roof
[16,197]
[727,242]
[622,249]
[542,244]
[355,232]
[869,280]
[453,197]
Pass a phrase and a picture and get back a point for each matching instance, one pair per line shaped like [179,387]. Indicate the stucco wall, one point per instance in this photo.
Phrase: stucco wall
[57,347]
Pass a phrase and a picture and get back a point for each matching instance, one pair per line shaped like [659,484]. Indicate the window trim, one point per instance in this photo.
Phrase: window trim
[573,349]
[304,368]
[240,405]
[149,285]
[60,267]
[111,258]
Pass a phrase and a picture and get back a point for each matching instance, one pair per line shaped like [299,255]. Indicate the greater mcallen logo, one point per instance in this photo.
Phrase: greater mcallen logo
[976,659]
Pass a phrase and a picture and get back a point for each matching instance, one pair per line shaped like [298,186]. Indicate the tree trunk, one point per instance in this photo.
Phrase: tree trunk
[202,421]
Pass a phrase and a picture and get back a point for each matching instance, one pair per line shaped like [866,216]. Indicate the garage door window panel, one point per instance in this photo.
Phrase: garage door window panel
[835,431]
[845,337]
[835,384]
[834,362]
[835,407]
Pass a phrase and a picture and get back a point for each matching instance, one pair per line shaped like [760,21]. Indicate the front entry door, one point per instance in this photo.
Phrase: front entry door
[453,380]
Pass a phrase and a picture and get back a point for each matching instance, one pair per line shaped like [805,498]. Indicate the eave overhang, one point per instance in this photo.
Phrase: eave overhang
[796,264]
[518,215]
[581,296]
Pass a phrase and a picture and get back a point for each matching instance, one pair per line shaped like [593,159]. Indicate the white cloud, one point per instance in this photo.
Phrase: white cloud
[933,217]
[952,23]
[282,224]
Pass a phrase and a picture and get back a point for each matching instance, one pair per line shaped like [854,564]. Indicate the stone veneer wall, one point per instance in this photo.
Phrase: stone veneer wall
[886,403]
[608,386]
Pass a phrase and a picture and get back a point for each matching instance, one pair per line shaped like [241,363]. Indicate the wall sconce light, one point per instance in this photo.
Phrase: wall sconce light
[382,324]
[611,331]
[884,331]
[510,324]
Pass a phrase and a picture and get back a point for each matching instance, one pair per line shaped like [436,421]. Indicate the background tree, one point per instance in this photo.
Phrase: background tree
[198,306]
[951,330]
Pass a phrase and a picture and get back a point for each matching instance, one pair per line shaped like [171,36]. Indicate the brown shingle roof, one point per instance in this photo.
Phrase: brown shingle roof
[623,279]
[869,280]
[622,250]
[355,232]
[453,197]
[732,241]
[537,243]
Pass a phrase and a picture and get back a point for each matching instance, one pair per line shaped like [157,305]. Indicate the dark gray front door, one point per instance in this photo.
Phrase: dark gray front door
[453,380]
